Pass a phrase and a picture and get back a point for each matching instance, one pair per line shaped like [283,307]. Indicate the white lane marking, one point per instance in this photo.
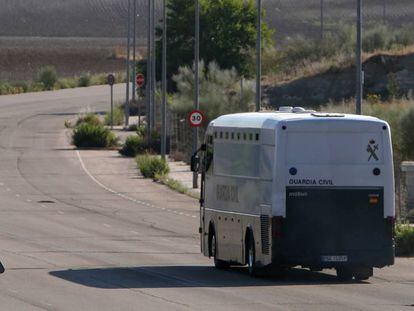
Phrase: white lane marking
[28,200]
[134,232]
[106,225]
[144,204]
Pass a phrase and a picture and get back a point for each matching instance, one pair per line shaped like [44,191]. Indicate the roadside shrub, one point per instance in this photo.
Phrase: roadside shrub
[133,145]
[141,130]
[118,117]
[48,77]
[93,136]
[220,91]
[410,215]
[150,166]
[37,87]
[22,86]
[84,80]
[377,38]
[98,79]
[5,88]
[89,118]
[404,240]
[66,83]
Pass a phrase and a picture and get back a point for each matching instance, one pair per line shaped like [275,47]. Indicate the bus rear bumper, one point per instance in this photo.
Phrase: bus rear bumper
[367,258]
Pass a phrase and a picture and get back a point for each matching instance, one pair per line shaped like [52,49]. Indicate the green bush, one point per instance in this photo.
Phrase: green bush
[410,215]
[118,117]
[133,145]
[22,86]
[48,77]
[66,83]
[93,136]
[404,240]
[89,118]
[217,86]
[84,80]
[5,88]
[150,166]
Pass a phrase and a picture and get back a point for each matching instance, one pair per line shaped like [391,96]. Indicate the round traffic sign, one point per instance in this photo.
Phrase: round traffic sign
[111,79]
[196,118]
[140,79]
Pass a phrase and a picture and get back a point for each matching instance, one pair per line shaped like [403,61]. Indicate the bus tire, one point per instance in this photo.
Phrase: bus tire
[219,264]
[251,256]
[344,273]
[363,273]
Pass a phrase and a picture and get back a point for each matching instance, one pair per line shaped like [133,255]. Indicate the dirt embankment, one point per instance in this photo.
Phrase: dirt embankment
[385,75]
[22,57]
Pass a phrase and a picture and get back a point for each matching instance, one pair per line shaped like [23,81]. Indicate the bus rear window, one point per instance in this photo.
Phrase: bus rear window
[334,148]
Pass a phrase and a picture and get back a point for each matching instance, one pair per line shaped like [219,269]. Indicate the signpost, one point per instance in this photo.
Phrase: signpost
[111,82]
[196,118]
[140,79]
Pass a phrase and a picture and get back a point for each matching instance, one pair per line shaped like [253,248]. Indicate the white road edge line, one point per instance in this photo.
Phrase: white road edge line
[144,204]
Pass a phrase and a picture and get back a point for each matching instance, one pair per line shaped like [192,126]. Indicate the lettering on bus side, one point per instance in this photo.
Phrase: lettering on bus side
[227,193]
[311,182]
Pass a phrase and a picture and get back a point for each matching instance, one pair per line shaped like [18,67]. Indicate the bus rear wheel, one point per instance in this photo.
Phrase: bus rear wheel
[251,256]
[219,264]
[358,273]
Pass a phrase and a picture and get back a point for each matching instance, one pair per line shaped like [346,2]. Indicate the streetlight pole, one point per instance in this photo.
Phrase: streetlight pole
[322,20]
[259,56]
[128,64]
[134,54]
[359,73]
[148,78]
[196,81]
[153,66]
[164,83]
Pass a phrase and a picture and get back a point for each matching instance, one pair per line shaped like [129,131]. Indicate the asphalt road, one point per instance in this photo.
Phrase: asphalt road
[81,231]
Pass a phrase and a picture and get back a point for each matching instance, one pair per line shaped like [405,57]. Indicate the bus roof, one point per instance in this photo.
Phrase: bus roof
[270,120]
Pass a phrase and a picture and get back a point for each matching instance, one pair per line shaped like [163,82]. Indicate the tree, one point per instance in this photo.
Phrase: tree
[227,34]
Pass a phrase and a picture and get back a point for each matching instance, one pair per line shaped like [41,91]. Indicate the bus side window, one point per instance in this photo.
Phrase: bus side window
[208,155]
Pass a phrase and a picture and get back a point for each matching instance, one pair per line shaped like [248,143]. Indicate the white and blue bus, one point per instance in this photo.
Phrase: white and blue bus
[298,188]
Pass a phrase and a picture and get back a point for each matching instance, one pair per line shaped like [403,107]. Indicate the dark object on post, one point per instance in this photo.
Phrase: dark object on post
[1,268]
[195,159]
[195,162]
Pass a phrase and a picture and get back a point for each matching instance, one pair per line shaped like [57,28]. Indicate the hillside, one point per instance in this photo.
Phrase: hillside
[106,18]
[384,74]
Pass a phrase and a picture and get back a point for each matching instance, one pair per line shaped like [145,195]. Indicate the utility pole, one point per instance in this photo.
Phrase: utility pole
[259,56]
[196,81]
[134,53]
[164,84]
[148,78]
[153,66]
[359,73]
[384,11]
[128,64]
[322,20]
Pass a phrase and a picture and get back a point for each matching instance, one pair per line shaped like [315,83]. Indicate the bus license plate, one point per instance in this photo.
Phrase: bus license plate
[335,258]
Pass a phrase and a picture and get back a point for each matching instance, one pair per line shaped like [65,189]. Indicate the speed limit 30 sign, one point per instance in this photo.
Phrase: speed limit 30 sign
[196,118]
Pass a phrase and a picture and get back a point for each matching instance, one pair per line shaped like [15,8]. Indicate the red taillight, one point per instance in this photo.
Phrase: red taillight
[277,225]
[391,225]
